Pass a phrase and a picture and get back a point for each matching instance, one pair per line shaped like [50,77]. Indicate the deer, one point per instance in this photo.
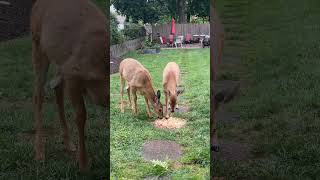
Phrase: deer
[171,78]
[72,36]
[138,80]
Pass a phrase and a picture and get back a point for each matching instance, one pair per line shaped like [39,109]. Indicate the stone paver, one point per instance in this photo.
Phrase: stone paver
[161,150]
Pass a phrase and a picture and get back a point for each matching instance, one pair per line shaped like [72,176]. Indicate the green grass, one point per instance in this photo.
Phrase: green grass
[280,109]
[128,133]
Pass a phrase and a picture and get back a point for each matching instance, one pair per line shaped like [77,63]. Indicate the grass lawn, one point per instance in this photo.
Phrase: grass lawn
[280,109]
[129,133]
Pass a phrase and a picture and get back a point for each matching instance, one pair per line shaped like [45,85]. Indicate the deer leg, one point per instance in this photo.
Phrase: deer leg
[59,91]
[167,115]
[122,81]
[129,95]
[134,94]
[76,97]
[41,65]
[148,107]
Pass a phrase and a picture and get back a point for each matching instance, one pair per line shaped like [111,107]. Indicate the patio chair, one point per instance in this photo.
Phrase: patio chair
[171,40]
[178,40]
[188,39]
[161,40]
[164,39]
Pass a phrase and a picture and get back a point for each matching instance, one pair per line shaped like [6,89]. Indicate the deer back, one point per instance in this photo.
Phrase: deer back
[73,36]
[171,76]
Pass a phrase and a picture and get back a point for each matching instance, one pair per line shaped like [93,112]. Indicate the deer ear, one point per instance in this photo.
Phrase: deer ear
[158,94]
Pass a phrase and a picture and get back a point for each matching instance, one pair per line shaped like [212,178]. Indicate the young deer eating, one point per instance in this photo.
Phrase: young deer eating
[71,35]
[139,80]
[171,77]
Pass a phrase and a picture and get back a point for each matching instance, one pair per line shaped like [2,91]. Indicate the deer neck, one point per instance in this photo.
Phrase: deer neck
[150,94]
[172,86]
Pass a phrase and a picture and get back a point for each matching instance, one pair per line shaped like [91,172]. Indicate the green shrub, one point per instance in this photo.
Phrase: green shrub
[116,36]
[134,31]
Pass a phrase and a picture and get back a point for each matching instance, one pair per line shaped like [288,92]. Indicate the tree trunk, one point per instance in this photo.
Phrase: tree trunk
[188,18]
[182,11]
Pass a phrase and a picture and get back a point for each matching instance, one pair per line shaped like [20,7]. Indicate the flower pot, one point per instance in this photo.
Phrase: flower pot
[149,51]
[158,50]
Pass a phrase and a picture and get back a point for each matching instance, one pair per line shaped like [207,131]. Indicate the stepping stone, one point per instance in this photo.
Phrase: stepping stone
[180,89]
[225,91]
[233,151]
[161,150]
[227,117]
[182,109]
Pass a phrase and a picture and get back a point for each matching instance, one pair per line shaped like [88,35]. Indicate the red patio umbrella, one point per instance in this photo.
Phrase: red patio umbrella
[173,27]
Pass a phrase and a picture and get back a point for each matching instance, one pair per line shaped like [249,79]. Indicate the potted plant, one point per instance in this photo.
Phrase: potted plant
[150,47]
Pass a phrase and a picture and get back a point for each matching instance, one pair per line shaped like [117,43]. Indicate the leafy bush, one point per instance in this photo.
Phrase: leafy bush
[116,36]
[133,31]
[150,44]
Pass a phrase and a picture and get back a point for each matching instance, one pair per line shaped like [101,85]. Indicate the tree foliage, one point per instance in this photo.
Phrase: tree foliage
[153,11]
[149,11]
[200,8]
[116,37]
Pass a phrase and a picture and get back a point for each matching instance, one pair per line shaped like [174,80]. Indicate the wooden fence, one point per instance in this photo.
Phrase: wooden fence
[118,50]
[181,29]
[14,18]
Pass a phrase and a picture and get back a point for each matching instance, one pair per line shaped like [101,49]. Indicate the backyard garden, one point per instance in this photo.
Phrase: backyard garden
[130,135]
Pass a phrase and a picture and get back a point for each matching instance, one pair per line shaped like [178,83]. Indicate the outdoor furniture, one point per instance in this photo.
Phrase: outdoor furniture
[171,40]
[196,38]
[188,39]
[178,40]
[201,38]
[164,39]
[206,41]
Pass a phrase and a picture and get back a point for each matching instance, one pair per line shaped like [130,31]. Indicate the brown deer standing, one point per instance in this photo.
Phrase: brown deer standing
[218,43]
[71,35]
[171,78]
[139,80]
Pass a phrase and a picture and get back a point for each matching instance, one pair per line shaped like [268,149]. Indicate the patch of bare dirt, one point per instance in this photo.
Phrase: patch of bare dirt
[170,123]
